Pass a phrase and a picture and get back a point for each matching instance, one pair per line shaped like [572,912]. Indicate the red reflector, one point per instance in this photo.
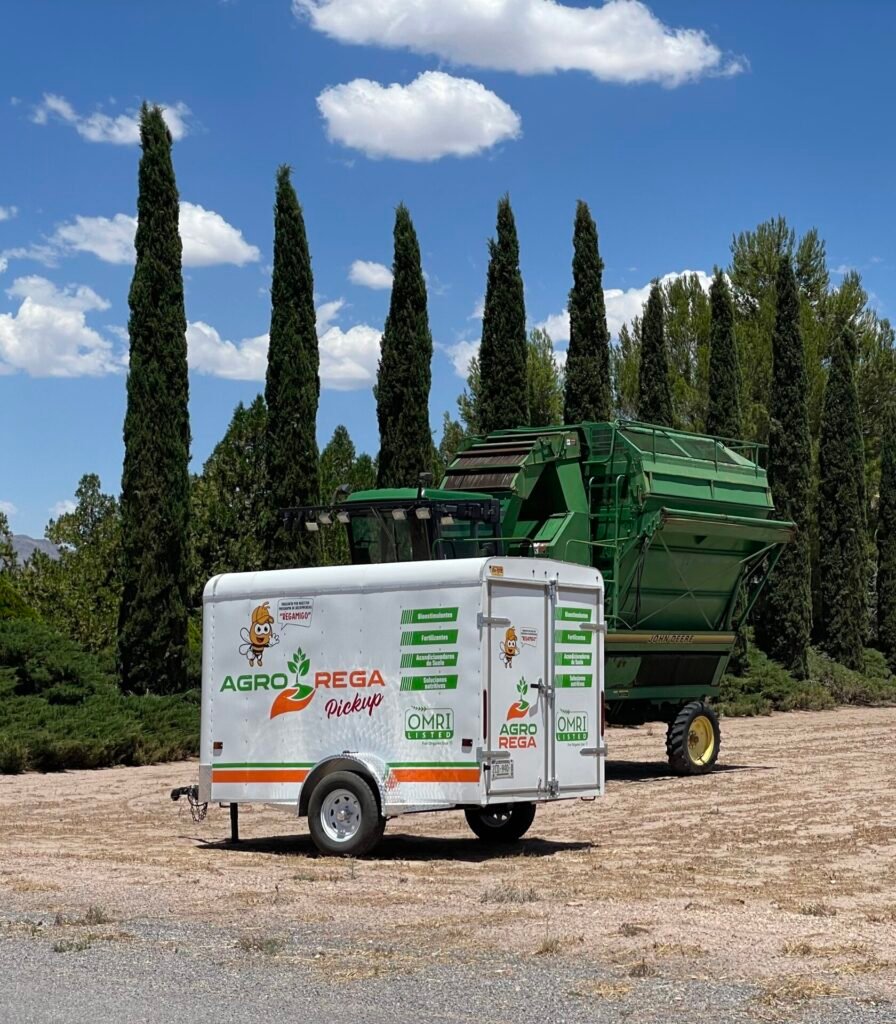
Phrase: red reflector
[485,714]
[217,745]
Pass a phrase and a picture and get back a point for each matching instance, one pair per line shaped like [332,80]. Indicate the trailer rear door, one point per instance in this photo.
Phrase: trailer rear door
[518,622]
[577,664]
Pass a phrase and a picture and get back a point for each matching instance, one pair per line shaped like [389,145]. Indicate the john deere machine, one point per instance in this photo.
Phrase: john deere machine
[680,525]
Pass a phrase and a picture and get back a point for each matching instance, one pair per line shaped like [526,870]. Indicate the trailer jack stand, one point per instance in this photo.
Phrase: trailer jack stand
[234,823]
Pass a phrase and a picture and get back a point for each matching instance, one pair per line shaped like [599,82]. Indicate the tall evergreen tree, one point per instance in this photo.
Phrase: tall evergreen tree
[502,355]
[229,499]
[588,387]
[841,512]
[886,542]
[654,393]
[155,487]
[292,386]
[784,621]
[404,374]
[544,381]
[723,414]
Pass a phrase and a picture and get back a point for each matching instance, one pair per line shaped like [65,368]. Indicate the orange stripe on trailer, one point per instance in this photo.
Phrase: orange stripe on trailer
[260,775]
[435,774]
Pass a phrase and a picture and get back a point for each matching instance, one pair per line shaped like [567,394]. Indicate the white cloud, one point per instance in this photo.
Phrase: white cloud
[619,41]
[8,212]
[49,337]
[207,238]
[622,306]
[111,239]
[370,275]
[348,359]
[8,509]
[478,309]
[4,263]
[460,354]
[121,130]
[62,508]
[436,115]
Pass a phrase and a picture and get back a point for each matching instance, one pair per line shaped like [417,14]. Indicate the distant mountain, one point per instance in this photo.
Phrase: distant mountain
[25,547]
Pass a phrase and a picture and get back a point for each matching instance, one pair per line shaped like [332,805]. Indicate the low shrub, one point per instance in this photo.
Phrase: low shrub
[767,687]
[61,708]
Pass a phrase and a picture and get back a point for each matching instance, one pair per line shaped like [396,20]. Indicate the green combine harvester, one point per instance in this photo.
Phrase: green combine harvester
[680,525]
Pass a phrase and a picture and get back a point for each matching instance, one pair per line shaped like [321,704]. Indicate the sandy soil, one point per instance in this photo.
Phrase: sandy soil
[779,868]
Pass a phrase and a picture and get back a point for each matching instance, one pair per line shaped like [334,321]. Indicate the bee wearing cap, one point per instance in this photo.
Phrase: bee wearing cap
[260,634]
[509,647]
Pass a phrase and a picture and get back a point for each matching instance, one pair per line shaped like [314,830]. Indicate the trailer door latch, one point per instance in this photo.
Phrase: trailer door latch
[491,620]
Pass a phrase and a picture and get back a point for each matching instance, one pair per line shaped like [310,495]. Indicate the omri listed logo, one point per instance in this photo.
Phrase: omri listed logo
[298,696]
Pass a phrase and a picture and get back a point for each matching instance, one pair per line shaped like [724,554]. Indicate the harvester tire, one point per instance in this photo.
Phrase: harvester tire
[501,823]
[693,739]
[343,815]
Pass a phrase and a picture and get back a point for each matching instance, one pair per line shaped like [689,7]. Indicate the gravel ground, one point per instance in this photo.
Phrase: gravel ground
[763,892]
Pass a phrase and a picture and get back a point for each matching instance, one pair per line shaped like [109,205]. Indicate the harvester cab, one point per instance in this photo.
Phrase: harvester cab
[680,526]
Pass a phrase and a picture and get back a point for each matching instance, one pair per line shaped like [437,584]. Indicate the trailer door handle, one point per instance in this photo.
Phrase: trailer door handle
[491,620]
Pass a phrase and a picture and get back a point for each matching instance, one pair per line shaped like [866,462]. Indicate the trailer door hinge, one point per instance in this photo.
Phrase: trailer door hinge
[491,620]
[594,627]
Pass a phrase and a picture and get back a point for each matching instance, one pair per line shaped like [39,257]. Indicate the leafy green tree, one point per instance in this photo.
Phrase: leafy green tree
[7,551]
[625,360]
[886,543]
[723,413]
[80,591]
[338,462]
[544,381]
[292,387]
[588,385]
[784,621]
[841,513]
[686,328]
[469,401]
[228,499]
[453,435]
[404,374]
[502,355]
[155,490]
[654,395]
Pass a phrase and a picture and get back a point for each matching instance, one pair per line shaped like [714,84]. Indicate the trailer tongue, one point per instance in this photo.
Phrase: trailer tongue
[679,525]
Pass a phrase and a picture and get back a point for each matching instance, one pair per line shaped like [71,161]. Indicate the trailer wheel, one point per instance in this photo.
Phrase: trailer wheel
[693,739]
[501,823]
[343,815]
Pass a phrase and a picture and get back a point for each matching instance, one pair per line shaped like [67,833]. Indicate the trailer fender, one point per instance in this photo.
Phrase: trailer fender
[368,766]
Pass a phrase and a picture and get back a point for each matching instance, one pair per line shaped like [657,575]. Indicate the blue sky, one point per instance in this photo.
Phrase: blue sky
[679,122]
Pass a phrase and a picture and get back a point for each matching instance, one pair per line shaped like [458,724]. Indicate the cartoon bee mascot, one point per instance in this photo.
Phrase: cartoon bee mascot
[509,647]
[259,636]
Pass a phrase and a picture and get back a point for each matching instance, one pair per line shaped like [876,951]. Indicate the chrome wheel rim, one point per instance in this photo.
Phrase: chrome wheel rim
[340,815]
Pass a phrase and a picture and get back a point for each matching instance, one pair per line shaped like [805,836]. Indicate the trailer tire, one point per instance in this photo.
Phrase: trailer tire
[501,823]
[343,815]
[693,739]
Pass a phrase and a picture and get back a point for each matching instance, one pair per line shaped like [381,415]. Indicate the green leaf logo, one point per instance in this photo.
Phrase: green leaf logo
[522,687]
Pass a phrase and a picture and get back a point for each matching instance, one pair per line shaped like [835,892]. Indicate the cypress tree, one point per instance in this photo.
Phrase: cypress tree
[155,486]
[404,374]
[502,355]
[588,391]
[784,621]
[292,386]
[654,393]
[886,542]
[841,512]
[723,414]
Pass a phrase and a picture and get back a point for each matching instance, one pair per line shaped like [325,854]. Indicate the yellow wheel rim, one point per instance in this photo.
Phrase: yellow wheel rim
[701,740]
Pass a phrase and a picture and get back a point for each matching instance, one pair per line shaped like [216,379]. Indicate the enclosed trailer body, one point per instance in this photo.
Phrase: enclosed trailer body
[473,683]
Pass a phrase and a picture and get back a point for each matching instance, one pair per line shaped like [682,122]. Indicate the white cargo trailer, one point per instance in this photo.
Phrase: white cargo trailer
[354,693]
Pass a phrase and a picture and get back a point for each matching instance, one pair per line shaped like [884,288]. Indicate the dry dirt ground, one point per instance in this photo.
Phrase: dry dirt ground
[770,882]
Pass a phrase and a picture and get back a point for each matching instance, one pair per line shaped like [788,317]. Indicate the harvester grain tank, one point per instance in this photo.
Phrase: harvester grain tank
[681,527]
